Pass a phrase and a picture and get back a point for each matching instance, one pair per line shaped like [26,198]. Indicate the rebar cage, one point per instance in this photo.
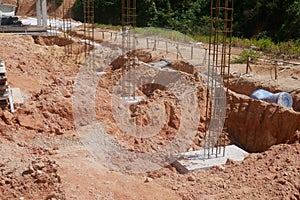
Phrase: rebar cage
[221,19]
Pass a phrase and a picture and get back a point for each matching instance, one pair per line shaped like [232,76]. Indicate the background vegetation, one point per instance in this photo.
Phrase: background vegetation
[270,25]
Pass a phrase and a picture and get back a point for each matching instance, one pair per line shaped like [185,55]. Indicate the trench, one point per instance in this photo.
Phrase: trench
[256,125]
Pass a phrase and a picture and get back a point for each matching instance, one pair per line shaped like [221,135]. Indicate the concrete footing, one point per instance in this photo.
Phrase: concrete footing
[132,100]
[194,160]
[100,73]
[17,96]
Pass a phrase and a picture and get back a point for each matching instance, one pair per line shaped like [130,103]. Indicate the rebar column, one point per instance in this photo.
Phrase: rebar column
[52,22]
[221,19]
[129,46]
[89,32]
[67,28]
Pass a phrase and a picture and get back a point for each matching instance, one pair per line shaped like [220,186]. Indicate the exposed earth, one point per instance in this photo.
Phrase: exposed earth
[42,156]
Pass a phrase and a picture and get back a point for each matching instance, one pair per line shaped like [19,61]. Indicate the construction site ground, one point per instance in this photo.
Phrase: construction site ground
[42,156]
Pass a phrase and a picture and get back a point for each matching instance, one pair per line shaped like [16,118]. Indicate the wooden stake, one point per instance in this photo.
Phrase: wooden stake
[147,43]
[167,46]
[276,71]
[177,47]
[248,64]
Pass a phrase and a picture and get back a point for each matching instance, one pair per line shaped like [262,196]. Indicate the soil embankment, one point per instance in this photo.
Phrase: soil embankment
[257,125]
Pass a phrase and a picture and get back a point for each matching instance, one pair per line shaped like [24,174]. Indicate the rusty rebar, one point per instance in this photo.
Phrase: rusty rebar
[89,31]
[221,18]
[129,46]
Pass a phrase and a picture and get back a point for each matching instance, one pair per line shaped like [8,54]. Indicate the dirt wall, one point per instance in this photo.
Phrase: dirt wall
[246,87]
[256,125]
[183,66]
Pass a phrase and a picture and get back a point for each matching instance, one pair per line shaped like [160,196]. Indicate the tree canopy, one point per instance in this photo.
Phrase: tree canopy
[278,20]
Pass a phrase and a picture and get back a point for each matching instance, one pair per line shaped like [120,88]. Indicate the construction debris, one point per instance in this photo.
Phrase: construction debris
[4,92]
[7,95]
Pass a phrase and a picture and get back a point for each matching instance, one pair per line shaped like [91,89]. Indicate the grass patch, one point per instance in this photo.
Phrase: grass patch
[164,33]
[266,45]
[108,26]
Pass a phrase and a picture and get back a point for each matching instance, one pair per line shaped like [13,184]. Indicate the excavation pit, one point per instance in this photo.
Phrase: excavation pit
[256,125]
[251,125]
[52,40]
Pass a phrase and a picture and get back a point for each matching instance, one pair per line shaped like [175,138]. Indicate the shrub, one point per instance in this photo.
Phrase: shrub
[244,56]
[243,43]
[289,48]
[264,44]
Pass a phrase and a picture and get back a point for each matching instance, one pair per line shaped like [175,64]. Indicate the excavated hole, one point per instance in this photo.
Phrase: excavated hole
[51,40]
[154,94]
[253,125]
[139,113]
[74,47]
[257,125]
[139,110]
[149,89]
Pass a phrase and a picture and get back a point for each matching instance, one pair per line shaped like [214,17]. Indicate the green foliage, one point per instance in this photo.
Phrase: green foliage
[58,2]
[243,43]
[264,44]
[276,19]
[108,26]
[78,10]
[201,38]
[253,55]
[265,23]
[289,48]
[164,33]
[106,12]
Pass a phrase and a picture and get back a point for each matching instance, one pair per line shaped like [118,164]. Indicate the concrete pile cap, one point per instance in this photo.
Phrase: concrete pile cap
[192,161]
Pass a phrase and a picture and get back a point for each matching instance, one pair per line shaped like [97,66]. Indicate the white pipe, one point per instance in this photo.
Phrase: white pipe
[44,12]
[38,12]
